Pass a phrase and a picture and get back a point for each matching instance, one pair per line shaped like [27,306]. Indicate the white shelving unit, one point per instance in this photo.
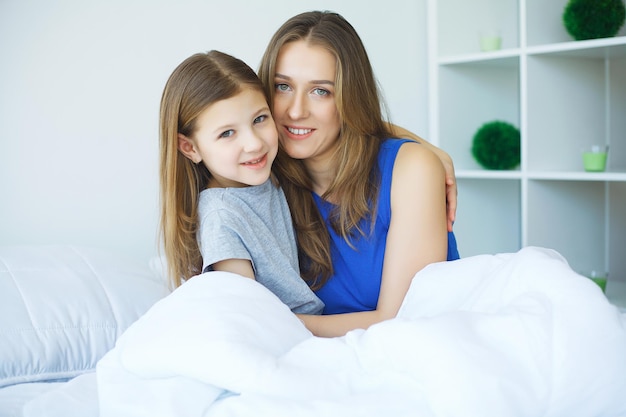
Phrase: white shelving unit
[564,96]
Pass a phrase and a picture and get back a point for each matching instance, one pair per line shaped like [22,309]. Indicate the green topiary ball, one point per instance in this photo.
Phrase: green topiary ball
[592,19]
[496,145]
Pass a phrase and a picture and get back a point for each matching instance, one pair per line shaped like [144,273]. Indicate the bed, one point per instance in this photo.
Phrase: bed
[62,308]
[86,333]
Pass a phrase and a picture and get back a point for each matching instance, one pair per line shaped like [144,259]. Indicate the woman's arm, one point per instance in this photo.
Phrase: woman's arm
[417,237]
[446,160]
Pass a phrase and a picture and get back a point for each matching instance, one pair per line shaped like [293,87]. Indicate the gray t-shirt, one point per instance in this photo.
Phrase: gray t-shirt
[254,223]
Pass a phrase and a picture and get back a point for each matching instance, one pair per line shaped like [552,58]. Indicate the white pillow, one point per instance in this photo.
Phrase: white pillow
[63,307]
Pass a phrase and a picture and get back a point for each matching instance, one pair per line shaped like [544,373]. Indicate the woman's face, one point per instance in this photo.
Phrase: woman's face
[304,102]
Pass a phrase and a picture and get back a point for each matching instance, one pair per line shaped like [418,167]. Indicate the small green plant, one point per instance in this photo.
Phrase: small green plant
[592,19]
[496,145]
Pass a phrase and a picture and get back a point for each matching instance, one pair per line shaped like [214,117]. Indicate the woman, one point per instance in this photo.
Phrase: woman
[344,177]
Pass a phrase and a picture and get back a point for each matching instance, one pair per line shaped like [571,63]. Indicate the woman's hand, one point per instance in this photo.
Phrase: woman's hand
[451,189]
[448,165]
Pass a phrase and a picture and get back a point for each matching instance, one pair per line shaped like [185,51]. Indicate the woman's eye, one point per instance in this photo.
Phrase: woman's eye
[260,119]
[227,134]
[282,87]
[321,92]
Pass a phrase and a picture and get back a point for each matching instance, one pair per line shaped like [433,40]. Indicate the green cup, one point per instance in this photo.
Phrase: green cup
[601,281]
[490,42]
[594,161]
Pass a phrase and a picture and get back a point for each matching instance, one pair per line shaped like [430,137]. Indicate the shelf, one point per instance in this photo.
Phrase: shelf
[565,96]
[576,176]
[486,174]
[502,58]
[480,226]
[458,34]
[594,48]
[543,175]
[544,23]
[573,103]
[570,217]
[470,105]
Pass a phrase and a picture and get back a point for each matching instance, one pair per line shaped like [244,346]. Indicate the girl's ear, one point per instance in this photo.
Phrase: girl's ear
[187,148]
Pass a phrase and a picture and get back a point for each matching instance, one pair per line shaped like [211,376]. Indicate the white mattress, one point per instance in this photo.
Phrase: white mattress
[62,308]
[13,397]
[75,398]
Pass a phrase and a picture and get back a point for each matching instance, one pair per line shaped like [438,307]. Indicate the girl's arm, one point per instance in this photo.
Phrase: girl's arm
[446,160]
[417,237]
[242,267]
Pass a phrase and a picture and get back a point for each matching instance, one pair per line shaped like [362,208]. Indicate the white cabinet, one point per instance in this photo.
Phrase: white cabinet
[564,96]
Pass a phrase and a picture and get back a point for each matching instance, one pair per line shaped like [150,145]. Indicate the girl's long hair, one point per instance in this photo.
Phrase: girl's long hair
[356,180]
[195,84]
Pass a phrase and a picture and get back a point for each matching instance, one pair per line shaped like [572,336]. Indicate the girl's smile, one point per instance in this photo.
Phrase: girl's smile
[258,163]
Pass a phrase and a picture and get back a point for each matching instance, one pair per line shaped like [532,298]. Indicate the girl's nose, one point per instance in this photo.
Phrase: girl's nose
[252,142]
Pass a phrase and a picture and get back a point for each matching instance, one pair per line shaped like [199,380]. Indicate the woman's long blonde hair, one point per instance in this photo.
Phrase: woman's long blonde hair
[356,180]
[195,84]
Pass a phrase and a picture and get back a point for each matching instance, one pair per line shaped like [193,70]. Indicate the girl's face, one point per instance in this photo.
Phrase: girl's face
[236,139]
[304,102]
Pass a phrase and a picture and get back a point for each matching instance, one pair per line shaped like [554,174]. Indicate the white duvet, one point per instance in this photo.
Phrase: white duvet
[493,335]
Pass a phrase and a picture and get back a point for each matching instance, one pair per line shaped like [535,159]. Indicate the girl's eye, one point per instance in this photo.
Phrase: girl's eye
[321,92]
[227,134]
[260,119]
[282,87]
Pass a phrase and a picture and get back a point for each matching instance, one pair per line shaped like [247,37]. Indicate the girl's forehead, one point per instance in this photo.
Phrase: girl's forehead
[245,93]
[249,100]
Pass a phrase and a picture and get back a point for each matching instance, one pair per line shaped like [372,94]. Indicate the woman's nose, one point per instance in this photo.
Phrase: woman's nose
[297,107]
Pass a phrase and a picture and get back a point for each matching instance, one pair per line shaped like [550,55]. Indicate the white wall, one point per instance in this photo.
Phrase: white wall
[80,84]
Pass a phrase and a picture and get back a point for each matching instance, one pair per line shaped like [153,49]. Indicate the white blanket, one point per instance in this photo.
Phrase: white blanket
[493,335]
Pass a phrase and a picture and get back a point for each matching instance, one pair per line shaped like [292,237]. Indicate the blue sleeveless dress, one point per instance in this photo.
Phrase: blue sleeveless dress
[355,285]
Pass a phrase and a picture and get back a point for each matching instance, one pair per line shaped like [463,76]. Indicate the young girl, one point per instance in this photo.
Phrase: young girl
[221,209]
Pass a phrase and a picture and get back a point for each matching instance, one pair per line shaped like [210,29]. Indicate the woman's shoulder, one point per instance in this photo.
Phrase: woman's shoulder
[388,151]
[391,144]
[401,151]
[414,159]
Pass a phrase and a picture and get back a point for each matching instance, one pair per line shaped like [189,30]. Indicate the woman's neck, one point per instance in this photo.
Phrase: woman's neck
[321,173]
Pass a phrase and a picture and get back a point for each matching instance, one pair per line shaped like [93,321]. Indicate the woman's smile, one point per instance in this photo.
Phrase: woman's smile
[298,133]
